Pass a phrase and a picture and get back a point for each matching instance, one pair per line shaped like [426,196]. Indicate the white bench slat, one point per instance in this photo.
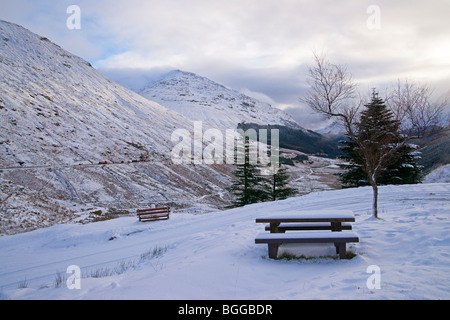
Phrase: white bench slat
[319,214]
[309,224]
[306,236]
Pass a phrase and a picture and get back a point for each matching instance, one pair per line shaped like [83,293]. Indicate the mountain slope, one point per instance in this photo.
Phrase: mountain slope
[72,139]
[201,99]
[435,150]
[49,96]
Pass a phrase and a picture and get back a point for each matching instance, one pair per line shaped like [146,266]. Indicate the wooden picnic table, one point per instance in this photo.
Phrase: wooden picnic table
[336,221]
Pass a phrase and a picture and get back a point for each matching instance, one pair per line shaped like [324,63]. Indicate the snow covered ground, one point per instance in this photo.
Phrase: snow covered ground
[213,256]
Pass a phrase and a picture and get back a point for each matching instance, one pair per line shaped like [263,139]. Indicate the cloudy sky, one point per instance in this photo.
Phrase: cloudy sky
[260,46]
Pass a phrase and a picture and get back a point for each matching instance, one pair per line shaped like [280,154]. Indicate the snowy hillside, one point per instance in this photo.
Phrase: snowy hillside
[201,99]
[71,139]
[335,128]
[214,256]
[441,174]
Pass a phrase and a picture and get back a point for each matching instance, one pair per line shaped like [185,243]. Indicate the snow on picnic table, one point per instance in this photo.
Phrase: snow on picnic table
[213,256]
[318,214]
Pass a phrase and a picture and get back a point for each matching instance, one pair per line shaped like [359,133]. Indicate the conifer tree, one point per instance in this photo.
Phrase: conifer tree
[404,169]
[249,186]
[353,175]
[276,185]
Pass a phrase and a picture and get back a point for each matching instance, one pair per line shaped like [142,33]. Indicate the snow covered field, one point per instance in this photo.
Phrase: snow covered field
[213,256]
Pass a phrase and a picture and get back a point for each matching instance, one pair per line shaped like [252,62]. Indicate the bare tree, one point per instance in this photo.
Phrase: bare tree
[332,91]
[413,106]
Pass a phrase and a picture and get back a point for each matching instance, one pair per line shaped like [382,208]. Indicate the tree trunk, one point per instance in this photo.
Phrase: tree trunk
[274,190]
[375,199]
[373,182]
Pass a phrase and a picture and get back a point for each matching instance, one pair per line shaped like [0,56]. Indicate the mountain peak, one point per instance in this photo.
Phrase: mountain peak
[176,73]
[186,79]
[202,99]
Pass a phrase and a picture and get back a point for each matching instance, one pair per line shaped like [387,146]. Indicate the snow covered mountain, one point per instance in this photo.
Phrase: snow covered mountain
[201,99]
[335,128]
[71,139]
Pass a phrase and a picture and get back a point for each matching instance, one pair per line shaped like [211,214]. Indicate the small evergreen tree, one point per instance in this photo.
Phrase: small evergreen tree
[249,186]
[353,175]
[276,185]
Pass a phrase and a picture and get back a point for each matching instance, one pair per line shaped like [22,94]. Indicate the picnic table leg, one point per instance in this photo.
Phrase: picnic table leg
[341,250]
[336,226]
[274,227]
[273,250]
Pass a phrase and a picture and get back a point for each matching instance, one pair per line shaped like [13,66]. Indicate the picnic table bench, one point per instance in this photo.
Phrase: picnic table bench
[305,225]
[153,214]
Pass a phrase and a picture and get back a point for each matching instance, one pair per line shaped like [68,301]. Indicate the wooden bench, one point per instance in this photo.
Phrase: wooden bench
[274,240]
[283,227]
[153,214]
